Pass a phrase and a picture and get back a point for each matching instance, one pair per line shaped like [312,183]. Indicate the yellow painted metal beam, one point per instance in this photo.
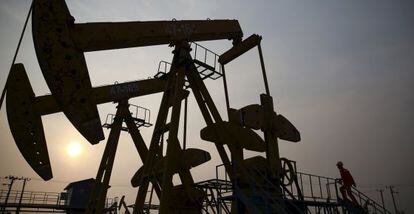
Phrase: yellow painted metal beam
[112,35]
[239,49]
[47,104]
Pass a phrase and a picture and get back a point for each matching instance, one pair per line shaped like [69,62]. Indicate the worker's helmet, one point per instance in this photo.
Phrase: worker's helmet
[339,163]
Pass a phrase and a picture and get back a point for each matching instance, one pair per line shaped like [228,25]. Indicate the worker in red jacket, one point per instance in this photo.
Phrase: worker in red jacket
[347,182]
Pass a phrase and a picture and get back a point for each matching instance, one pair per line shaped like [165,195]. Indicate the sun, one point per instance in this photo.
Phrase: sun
[74,149]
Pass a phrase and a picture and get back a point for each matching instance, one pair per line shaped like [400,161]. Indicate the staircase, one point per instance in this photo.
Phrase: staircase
[205,60]
[309,194]
[321,195]
[266,196]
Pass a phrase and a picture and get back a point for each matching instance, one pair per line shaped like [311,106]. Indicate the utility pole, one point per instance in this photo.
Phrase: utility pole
[381,191]
[11,178]
[393,199]
[21,194]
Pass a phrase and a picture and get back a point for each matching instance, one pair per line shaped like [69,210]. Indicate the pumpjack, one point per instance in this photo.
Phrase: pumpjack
[258,183]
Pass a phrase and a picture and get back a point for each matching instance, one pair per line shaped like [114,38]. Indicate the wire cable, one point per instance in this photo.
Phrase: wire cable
[3,93]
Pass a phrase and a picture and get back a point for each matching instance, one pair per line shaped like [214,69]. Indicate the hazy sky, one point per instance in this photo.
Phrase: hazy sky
[341,71]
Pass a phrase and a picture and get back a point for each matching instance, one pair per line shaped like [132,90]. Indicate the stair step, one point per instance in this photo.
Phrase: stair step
[208,68]
[352,208]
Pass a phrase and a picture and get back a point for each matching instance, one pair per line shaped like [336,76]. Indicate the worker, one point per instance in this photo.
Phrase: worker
[347,182]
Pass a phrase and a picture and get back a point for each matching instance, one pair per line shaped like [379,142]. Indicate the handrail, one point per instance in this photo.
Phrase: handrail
[206,52]
[326,185]
[38,198]
[369,200]
[325,192]
[30,197]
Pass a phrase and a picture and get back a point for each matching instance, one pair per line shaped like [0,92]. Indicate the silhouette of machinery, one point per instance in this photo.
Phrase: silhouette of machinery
[60,44]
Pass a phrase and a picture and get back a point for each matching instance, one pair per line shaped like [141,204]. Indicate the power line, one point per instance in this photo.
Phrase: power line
[374,186]
[3,93]
[67,182]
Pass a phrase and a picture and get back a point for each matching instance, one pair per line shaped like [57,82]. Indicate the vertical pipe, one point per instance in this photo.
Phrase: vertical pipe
[195,51]
[225,176]
[263,69]
[382,199]
[8,192]
[226,93]
[161,149]
[101,184]
[205,56]
[393,199]
[3,93]
[215,61]
[301,184]
[58,199]
[217,174]
[150,199]
[311,187]
[165,67]
[149,116]
[320,186]
[328,188]
[185,123]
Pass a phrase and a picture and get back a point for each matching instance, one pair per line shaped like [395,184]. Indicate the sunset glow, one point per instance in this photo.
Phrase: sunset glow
[74,149]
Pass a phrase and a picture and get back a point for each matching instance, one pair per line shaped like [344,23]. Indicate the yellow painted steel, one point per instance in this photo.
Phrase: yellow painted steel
[60,43]
[112,35]
[25,122]
[239,49]
[24,114]
[239,136]
[188,159]
[252,116]
[64,67]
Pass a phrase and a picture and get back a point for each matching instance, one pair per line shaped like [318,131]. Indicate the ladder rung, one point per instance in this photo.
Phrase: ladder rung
[204,65]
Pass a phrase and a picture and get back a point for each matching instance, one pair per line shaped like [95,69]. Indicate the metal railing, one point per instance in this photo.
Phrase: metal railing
[206,57]
[163,68]
[140,115]
[39,198]
[368,204]
[319,192]
[205,60]
[29,197]
[314,187]
[324,189]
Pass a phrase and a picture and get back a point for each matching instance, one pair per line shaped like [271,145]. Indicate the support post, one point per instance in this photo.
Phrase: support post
[272,147]
[141,148]
[173,147]
[173,95]
[21,194]
[97,197]
[226,93]
[11,178]
[209,112]
[154,148]
[393,199]
[381,191]
[185,123]
[263,69]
